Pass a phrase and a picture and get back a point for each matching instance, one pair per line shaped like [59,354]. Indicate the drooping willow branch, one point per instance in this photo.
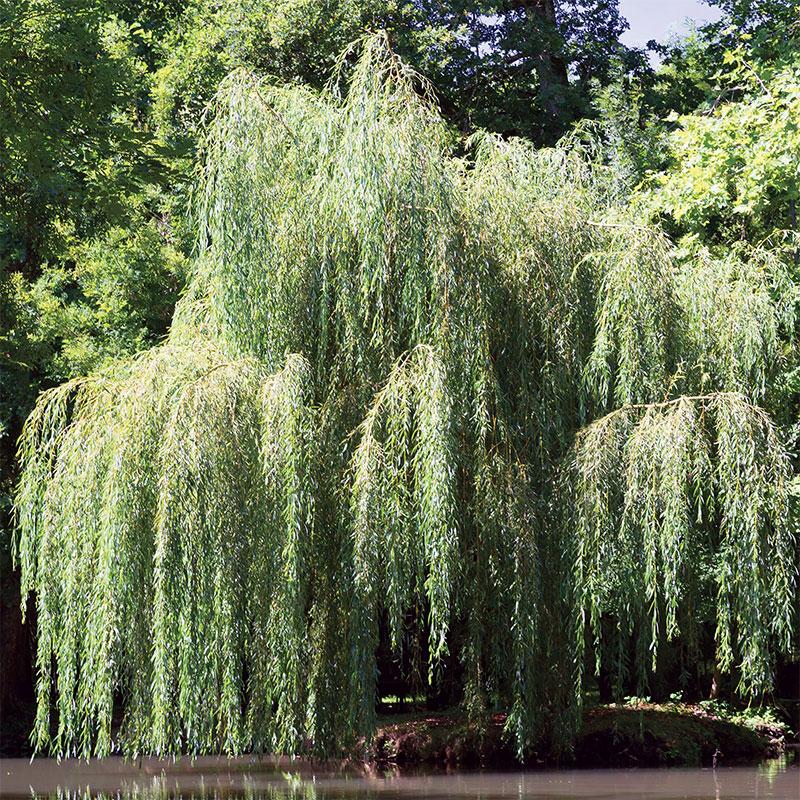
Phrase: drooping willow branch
[676,501]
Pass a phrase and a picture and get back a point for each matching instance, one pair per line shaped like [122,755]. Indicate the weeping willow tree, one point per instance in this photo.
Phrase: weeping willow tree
[467,403]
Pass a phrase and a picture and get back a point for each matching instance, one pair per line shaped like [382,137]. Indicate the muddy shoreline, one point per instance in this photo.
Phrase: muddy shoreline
[645,735]
[615,735]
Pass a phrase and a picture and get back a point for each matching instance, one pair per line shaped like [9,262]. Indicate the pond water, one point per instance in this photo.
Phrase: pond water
[268,779]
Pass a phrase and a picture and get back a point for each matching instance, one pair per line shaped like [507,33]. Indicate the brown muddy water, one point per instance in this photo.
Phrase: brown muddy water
[268,779]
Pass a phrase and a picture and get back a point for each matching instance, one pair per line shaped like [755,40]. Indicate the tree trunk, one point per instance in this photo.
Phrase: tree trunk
[551,69]
[715,681]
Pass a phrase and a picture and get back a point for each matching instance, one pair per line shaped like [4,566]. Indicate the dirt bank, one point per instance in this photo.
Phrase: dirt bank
[611,736]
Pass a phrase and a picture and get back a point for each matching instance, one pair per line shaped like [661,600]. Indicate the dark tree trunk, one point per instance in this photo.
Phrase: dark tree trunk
[16,673]
[16,639]
[551,69]
[716,679]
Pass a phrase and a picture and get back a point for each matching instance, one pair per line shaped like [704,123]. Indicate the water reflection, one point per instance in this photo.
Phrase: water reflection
[263,779]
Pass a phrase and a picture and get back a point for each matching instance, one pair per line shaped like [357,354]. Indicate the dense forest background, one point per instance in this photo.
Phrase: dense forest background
[102,103]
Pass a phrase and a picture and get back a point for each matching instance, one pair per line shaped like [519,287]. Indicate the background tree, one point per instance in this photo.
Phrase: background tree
[500,66]
[91,256]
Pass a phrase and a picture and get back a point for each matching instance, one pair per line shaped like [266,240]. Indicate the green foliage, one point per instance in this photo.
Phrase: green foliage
[503,68]
[632,142]
[756,718]
[109,297]
[373,400]
[729,194]
[91,246]
[115,300]
[694,69]
[738,166]
[742,313]
[294,40]
[771,27]
[69,93]
[685,81]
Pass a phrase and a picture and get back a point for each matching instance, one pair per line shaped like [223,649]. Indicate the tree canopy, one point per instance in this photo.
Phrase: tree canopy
[465,398]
